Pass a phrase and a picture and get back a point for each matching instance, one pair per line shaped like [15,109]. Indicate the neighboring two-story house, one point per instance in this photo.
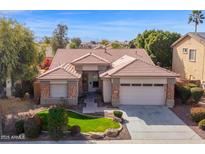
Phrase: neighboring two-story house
[189,56]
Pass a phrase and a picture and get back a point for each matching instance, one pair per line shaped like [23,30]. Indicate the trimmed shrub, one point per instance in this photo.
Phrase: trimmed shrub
[196,94]
[184,93]
[75,130]
[191,85]
[202,124]
[118,114]
[57,122]
[19,125]
[32,127]
[197,114]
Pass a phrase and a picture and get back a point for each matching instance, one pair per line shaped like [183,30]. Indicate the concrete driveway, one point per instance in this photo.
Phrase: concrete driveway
[156,123]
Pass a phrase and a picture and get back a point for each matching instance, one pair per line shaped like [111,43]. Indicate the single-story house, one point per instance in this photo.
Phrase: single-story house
[124,76]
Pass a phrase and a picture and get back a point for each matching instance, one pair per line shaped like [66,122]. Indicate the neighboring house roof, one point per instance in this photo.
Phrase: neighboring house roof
[68,55]
[137,68]
[90,58]
[199,36]
[49,53]
[65,71]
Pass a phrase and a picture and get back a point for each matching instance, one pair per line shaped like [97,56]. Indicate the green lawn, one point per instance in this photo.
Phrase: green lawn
[86,123]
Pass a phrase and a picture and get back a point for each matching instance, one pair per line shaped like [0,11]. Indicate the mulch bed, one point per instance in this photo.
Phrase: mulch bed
[183,112]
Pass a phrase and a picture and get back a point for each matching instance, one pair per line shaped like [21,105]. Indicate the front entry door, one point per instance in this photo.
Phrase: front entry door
[93,81]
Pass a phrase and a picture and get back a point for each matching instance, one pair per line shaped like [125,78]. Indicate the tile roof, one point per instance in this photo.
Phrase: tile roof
[90,58]
[68,55]
[138,68]
[124,62]
[65,71]
[200,36]
[117,65]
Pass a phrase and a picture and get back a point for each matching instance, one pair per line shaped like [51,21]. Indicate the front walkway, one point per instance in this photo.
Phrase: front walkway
[156,123]
[91,105]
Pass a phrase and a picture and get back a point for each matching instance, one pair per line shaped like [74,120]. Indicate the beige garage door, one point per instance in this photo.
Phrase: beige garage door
[58,90]
[142,94]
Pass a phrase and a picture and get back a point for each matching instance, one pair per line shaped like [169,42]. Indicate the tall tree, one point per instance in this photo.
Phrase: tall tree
[104,42]
[47,40]
[116,45]
[197,18]
[75,43]
[157,44]
[18,53]
[59,39]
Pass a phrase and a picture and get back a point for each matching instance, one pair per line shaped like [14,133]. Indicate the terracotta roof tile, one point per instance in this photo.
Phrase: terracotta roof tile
[68,55]
[141,68]
[65,71]
[90,58]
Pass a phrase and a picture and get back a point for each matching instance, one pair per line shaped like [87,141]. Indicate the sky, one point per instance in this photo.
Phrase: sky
[97,25]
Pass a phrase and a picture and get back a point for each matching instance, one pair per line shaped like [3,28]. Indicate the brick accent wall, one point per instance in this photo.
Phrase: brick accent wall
[72,89]
[170,92]
[45,89]
[115,91]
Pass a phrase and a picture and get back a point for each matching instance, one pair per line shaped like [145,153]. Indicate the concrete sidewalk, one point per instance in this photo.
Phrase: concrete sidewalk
[111,142]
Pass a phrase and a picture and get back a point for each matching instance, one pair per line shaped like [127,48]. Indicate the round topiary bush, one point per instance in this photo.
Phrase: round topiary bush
[19,125]
[202,124]
[32,127]
[196,94]
[118,114]
[57,122]
[197,114]
[75,130]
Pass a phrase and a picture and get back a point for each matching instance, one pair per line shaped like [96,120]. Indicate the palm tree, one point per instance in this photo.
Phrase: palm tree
[196,17]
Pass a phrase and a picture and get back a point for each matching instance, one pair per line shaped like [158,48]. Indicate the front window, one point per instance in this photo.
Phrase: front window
[192,55]
[185,50]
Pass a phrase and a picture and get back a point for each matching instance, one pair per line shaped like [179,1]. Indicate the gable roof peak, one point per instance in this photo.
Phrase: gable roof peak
[199,36]
[90,54]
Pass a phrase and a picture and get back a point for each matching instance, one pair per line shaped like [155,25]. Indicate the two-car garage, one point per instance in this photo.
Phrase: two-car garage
[142,94]
[137,91]
[142,91]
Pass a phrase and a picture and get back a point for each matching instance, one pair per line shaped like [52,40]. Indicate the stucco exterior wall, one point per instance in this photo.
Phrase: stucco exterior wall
[181,63]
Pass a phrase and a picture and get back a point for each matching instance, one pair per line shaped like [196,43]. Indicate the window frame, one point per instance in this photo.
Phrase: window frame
[158,85]
[147,84]
[136,84]
[125,84]
[185,50]
[190,58]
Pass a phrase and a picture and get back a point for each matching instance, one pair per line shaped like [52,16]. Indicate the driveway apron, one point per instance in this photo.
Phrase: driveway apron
[156,123]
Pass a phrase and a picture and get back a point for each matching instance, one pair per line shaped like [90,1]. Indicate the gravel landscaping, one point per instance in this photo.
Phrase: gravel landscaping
[183,112]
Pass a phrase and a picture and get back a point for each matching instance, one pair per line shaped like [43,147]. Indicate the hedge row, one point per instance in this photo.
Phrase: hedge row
[185,92]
